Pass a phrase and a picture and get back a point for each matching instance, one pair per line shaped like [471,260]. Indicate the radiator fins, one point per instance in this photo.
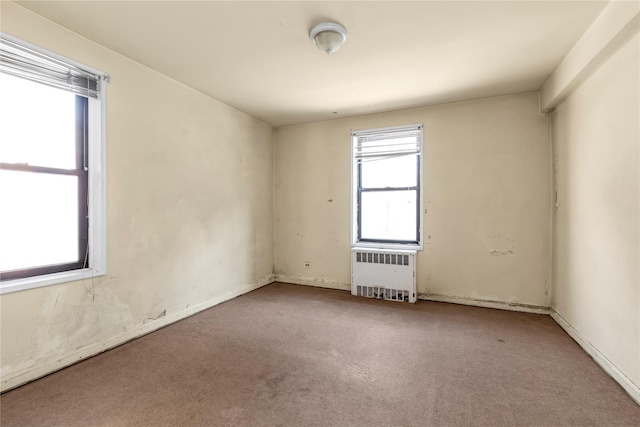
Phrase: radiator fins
[383,293]
[380,258]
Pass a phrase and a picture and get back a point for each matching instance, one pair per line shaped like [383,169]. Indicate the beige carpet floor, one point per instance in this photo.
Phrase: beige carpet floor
[288,355]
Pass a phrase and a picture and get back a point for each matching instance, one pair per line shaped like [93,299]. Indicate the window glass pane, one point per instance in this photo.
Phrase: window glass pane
[394,172]
[38,124]
[38,219]
[389,215]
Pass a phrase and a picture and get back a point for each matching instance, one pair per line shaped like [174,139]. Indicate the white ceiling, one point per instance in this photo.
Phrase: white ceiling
[257,57]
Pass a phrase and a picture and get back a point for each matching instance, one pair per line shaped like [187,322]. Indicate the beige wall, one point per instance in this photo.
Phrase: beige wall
[190,222]
[596,255]
[487,184]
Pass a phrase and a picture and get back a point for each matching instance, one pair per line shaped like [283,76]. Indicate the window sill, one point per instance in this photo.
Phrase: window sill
[46,280]
[386,246]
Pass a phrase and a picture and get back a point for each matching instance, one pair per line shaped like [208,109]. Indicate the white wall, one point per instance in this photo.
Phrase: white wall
[487,189]
[596,255]
[190,222]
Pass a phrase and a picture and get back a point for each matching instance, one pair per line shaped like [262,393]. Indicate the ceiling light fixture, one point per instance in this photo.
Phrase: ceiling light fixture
[328,36]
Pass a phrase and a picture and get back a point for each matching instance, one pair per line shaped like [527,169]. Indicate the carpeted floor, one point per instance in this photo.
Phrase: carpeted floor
[288,355]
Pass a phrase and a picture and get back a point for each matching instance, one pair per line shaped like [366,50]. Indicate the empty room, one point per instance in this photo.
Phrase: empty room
[385,213]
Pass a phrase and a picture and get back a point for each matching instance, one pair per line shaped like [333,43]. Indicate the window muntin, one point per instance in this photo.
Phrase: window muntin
[387,197]
[52,218]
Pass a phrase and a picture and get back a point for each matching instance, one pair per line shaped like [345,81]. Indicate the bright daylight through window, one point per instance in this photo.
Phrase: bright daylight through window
[387,187]
[51,169]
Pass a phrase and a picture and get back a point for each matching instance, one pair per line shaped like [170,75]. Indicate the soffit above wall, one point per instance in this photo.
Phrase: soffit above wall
[257,57]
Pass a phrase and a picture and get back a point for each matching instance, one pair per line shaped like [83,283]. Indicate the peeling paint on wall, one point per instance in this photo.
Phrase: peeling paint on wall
[70,318]
[162,314]
[499,245]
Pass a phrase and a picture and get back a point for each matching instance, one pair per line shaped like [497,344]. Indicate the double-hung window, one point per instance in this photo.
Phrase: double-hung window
[52,204]
[387,187]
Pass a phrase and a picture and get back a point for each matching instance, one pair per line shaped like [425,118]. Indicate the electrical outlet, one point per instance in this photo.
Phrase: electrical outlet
[307,264]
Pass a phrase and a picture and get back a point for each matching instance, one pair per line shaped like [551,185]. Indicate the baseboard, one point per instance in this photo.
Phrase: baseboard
[476,302]
[332,284]
[310,281]
[632,389]
[16,379]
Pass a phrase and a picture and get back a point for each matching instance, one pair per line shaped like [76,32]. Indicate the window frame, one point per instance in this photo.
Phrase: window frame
[95,154]
[357,190]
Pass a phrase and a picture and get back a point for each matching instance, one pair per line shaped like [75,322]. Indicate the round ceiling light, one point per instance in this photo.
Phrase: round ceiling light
[328,36]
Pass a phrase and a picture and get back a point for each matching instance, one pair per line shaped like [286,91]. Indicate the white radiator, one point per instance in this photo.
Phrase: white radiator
[384,274]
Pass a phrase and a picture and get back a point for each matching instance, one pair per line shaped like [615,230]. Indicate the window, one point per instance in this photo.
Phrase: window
[387,187]
[52,213]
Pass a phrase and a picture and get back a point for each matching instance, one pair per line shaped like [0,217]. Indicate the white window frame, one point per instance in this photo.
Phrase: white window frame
[354,192]
[97,189]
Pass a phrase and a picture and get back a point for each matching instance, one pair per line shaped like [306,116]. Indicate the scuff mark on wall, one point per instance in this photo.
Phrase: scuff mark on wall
[547,287]
[56,302]
[501,253]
